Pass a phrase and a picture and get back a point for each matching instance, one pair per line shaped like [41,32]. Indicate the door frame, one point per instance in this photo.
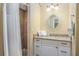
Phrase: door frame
[23,6]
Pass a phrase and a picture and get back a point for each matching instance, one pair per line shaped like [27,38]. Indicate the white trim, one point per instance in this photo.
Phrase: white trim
[23,6]
[28,30]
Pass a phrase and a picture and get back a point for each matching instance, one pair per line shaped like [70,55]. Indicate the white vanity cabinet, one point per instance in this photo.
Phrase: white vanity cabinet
[64,48]
[64,51]
[37,47]
[48,48]
[51,47]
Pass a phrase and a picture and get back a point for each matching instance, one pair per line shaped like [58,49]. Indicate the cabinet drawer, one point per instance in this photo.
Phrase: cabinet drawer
[64,51]
[49,42]
[37,41]
[63,43]
[37,49]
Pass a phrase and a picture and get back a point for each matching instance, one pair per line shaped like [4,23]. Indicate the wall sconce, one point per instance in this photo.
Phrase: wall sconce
[48,9]
[52,6]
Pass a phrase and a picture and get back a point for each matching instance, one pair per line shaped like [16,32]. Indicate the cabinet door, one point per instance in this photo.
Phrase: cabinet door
[37,47]
[48,50]
[64,51]
[37,50]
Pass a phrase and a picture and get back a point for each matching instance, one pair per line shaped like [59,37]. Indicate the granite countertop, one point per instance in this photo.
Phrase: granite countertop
[60,38]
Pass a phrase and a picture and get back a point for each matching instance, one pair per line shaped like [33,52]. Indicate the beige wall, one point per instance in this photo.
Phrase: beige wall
[62,13]
[35,18]
[34,23]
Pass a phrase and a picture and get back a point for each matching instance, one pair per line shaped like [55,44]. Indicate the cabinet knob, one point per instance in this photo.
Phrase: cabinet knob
[64,43]
[56,47]
[64,51]
[37,40]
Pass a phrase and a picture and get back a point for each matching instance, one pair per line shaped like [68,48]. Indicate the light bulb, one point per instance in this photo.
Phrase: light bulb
[52,6]
[48,9]
[56,8]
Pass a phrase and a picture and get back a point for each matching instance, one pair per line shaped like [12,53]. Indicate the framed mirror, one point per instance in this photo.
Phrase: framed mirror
[53,21]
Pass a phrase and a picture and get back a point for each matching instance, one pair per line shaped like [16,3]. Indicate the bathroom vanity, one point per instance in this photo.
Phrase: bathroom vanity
[52,46]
